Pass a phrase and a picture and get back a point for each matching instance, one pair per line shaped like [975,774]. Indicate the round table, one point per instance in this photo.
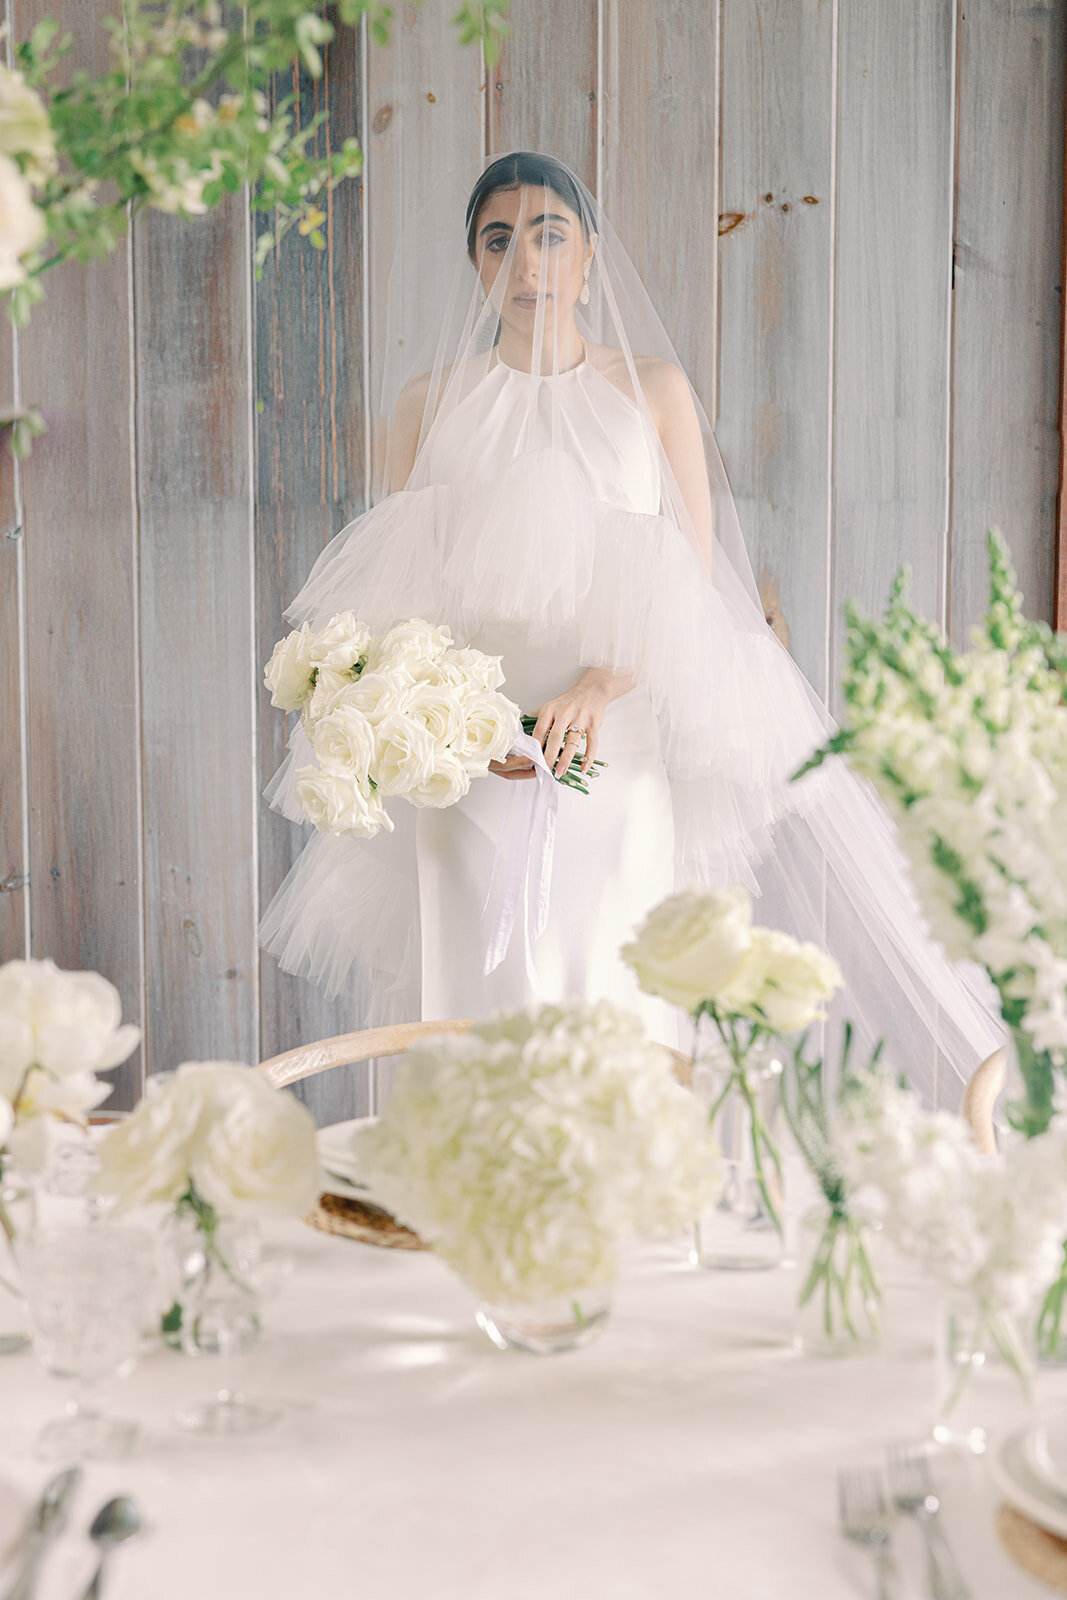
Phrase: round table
[689,1453]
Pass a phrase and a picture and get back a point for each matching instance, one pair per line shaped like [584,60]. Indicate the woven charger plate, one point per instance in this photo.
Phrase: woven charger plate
[1040,1553]
[363,1221]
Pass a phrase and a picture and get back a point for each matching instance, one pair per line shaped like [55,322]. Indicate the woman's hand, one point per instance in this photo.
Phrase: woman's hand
[579,710]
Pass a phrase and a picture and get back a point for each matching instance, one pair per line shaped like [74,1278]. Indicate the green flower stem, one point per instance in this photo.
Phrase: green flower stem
[574,778]
[762,1143]
[839,1288]
[1004,1335]
[1050,1317]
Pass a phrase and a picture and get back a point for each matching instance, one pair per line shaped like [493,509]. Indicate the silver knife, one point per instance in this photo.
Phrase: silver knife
[47,1521]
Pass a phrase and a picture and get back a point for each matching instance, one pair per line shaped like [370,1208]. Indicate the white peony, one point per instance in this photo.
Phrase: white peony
[491,724]
[289,672]
[24,127]
[220,1126]
[336,803]
[780,982]
[692,944]
[22,225]
[344,739]
[256,1151]
[405,755]
[67,1024]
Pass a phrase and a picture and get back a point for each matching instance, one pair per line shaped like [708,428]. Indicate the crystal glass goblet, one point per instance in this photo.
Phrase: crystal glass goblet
[89,1292]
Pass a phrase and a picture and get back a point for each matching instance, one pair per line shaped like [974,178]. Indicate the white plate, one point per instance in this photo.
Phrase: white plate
[1021,1487]
[1046,1449]
[339,1161]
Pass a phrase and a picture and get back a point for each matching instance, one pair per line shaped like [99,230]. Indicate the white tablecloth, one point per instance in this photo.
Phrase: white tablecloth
[689,1453]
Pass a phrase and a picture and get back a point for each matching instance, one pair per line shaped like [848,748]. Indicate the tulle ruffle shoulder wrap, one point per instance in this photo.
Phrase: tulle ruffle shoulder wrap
[505,531]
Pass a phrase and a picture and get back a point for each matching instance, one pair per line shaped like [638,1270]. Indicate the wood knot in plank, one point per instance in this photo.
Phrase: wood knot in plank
[729,220]
[382,118]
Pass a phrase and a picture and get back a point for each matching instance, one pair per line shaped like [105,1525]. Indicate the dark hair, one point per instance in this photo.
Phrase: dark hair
[525,166]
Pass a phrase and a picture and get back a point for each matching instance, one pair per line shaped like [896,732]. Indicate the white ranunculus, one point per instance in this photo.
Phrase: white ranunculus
[448,783]
[66,1023]
[24,126]
[344,741]
[341,643]
[21,224]
[288,674]
[148,1156]
[256,1149]
[692,944]
[491,726]
[336,803]
[781,982]
[405,755]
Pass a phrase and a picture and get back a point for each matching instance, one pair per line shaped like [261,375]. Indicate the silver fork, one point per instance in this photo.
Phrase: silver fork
[911,1486]
[865,1518]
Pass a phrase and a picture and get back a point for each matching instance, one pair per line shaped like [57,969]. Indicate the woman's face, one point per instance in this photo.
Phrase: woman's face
[550,251]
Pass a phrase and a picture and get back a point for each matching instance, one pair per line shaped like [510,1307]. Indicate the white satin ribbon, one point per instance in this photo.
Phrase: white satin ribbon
[523,860]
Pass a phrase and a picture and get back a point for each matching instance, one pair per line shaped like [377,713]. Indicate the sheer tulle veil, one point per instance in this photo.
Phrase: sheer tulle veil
[492,533]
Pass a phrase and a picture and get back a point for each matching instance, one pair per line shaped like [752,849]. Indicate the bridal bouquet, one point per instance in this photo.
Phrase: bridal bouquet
[524,1150]
[969,750]
[405,714]
[699,950]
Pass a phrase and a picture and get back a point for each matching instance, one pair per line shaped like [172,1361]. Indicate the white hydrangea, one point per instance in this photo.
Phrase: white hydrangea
[524,1150]
[992,1226]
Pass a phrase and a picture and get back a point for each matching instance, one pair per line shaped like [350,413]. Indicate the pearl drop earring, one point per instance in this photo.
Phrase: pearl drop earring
[583,296]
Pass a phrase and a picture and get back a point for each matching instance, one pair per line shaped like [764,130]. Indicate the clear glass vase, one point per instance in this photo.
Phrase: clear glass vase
[569,1322]
[838,1307]
[744,1231]
[216,1299]
[18,1216]
[978,1346]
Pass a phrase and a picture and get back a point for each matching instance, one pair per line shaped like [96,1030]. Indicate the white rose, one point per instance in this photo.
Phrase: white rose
[64,1022]
[344,740]
[24,126]
[288,673]
[148,1156]
[341,643]
[410,642]
[256,1149]
[21,224]
[438,709]
[330,685]
[781,981]
[478,670]
[449,782]
[691,944]
[336,803]
[491,726]
[375,695]
[405,755]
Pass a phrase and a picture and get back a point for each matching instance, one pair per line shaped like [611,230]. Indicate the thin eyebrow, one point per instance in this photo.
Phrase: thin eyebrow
[546,216]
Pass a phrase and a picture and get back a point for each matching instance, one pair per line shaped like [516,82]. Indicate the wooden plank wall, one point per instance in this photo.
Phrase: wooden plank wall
[851,219]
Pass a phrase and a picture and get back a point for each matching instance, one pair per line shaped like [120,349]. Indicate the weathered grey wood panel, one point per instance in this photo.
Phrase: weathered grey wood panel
[193,451]
[660,138]
[543,90]
[13,866]
[310,481]
[892,279]
[81,608]
[776,302]
[425,126]
[1008,297]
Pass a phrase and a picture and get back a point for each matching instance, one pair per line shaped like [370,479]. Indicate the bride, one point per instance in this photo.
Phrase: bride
[555,496]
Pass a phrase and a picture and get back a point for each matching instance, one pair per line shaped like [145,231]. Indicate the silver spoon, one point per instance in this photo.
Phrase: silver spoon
[116,1521]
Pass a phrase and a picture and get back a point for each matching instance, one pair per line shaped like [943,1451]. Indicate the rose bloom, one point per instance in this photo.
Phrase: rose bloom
[341,642]
[781,982]
[405,755]
[288,672]
[21,224]
[24,126]
[336,803]
[491,726]
[448,783]
[691,944]
[344,740]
